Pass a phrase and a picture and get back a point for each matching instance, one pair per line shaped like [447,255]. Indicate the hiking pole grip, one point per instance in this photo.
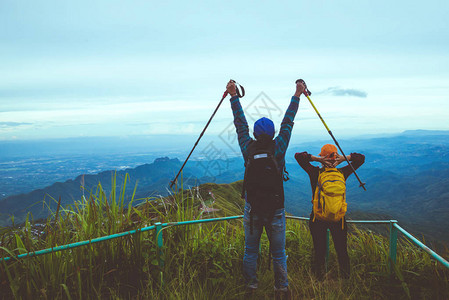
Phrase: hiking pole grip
[240,94]
[306,90]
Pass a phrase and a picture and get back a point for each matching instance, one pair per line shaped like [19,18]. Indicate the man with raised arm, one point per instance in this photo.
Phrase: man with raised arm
[263,189]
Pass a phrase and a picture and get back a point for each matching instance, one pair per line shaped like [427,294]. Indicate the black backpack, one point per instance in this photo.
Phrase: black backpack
[263,180]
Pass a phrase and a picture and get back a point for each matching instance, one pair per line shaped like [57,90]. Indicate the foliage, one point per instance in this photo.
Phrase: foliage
[201,261]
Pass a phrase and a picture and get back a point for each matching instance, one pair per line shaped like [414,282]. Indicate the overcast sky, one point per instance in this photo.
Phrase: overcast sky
[106,68]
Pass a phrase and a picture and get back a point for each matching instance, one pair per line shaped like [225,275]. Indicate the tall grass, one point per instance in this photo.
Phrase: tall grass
[200,261]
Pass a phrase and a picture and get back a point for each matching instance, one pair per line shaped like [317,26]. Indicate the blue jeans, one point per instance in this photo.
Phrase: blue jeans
[275,229]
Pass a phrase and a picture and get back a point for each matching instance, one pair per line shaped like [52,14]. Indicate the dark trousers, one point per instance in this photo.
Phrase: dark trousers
[318,230]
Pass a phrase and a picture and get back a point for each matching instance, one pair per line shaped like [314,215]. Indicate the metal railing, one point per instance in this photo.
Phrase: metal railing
[159,240]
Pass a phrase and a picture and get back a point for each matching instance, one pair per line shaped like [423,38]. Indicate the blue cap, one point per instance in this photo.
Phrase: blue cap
[264,126]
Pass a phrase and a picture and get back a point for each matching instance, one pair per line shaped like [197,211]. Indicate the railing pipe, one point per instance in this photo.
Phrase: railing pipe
[369,221]
[201,221]
[297,218]
[394,227]
[110,237]
[422,246]
[77,244]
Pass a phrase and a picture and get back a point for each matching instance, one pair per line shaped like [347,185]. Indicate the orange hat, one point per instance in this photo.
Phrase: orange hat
[328,149]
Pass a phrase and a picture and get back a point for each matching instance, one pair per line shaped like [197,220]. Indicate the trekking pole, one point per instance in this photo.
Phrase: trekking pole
[307,93]
[207,124]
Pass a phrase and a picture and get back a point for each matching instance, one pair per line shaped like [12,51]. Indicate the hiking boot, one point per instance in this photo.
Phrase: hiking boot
[283,294]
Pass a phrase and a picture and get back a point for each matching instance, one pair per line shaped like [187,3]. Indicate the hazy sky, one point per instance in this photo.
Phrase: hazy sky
[105,68]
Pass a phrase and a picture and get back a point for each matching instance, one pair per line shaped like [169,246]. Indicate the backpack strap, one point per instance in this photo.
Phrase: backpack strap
[319,197]
[318,189]
[318,185]
[244,179]
[247,162]
[275,164]
[251,223]
[285,175]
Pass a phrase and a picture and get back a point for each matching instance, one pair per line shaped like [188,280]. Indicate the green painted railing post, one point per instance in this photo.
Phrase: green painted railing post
[327,249]
[393,245]
[159,244]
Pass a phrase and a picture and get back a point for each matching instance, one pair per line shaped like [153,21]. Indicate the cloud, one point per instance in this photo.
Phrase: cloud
[13,124]
[337,91]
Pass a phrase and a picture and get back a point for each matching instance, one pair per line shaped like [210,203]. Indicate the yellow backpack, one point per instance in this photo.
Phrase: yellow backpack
[329,200]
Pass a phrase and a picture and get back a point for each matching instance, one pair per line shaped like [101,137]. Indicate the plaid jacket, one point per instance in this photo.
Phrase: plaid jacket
[282,139]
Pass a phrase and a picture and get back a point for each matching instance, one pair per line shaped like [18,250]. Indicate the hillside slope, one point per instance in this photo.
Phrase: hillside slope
[150,180]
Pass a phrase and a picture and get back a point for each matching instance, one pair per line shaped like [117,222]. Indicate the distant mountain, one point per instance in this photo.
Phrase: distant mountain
[425,133]
[150,180]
